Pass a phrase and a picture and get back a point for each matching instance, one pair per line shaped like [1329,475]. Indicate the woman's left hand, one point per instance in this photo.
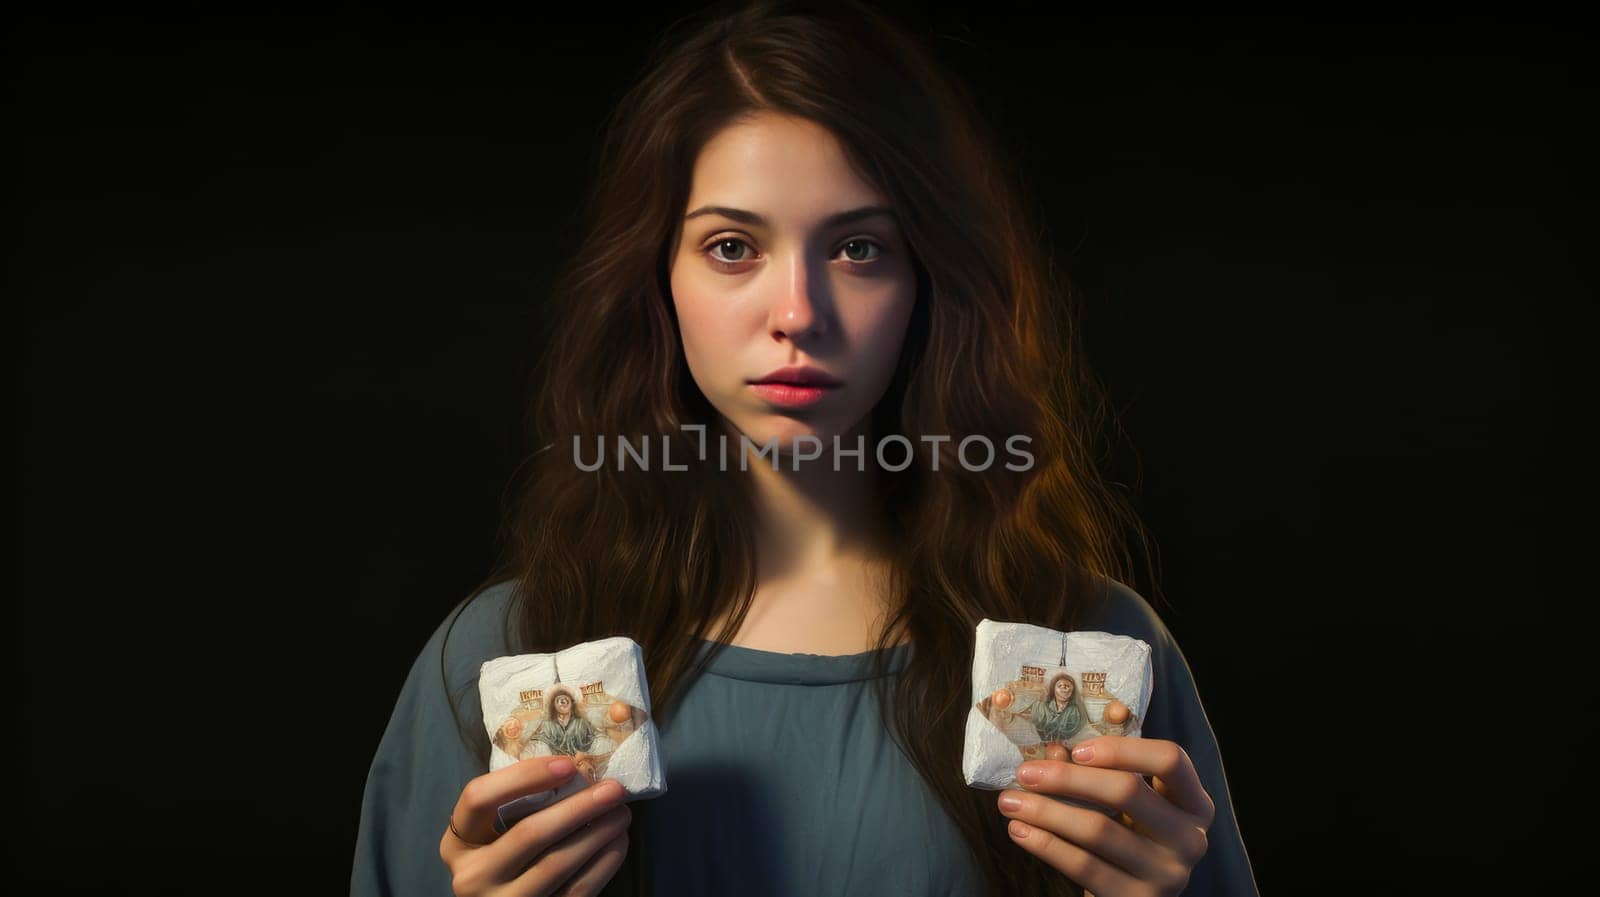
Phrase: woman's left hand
[1163,830]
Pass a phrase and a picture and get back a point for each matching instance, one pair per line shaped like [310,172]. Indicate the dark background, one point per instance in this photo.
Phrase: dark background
[275,303]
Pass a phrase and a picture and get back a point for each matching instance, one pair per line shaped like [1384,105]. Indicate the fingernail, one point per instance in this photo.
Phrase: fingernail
[561,767]
[1029,775]
[1019,829]
[1083,753]
[608,792]
[1010,804]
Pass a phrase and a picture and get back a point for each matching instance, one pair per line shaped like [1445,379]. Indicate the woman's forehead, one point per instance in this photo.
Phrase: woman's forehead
[788,172]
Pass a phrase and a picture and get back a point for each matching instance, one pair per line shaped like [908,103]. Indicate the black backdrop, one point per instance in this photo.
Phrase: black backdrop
[277,280]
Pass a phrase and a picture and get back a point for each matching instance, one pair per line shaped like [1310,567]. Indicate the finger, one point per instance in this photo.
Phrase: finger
[1122,791]
[600,870]
[1089,829]
[539,832]
[566,858]
[1172,776]
[474,813]
[1152,757]
[1109,788]
[1071,860]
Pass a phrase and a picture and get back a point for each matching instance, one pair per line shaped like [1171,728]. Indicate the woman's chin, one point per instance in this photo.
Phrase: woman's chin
[785,431]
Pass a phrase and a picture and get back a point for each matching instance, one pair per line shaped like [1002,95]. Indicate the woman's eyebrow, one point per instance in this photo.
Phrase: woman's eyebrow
[752,218]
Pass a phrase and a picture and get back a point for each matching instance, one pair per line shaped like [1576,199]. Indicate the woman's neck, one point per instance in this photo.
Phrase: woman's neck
[823,555]
[816,516]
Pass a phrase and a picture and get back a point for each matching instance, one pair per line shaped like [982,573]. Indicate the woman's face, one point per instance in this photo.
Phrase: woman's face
[1063,690]
[563,704]
[767,273]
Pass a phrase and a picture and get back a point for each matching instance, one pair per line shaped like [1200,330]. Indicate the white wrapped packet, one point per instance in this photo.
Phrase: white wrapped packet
[1037,691]
[589,702]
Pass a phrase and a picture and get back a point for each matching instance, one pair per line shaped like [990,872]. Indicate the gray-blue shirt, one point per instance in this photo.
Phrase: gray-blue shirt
[781,779]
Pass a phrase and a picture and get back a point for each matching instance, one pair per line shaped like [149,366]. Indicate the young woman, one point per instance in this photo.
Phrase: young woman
[802,237]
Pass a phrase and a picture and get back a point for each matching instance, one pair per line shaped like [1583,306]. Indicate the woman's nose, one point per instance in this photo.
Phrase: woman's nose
[795,312]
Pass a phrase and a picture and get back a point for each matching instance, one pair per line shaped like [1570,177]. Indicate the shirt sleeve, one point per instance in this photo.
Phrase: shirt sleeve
[422,761]
[1176,714]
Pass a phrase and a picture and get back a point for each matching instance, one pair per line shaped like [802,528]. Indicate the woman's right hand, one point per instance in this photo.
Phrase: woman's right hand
[571,848]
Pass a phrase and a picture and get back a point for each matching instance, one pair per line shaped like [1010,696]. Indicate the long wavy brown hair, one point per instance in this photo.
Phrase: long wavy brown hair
[992,350]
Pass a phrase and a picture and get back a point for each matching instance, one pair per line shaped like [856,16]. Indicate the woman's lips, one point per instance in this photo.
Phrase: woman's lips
[791,395]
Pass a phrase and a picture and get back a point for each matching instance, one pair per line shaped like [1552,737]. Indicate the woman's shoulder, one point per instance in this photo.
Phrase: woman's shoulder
[1176,710]
[1118,609]
[473,632]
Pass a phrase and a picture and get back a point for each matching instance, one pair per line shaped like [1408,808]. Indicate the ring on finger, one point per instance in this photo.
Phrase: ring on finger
[457,833]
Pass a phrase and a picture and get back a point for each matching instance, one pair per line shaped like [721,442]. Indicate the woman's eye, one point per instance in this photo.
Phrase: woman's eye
[732,250]
[851,248]
[729,241]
